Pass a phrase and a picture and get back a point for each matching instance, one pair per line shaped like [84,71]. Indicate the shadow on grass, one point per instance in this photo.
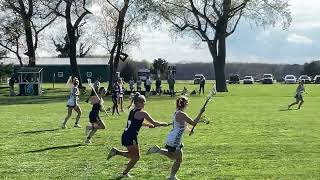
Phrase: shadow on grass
[13,100]
[288,109]
[55,148]
[40,131]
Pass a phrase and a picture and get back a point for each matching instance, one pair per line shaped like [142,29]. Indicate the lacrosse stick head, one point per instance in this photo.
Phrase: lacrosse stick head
[211,93]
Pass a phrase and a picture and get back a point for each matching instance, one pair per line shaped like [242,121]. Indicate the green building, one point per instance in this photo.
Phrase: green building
[58,69]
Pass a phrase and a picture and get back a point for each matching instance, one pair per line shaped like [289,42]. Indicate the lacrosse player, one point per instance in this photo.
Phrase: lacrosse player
[96,122]
[73,104]
[300,90]
[173,147]
[130,134]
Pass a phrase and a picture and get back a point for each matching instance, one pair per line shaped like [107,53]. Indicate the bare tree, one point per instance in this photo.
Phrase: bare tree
[35,17]
[212,21]
[11,32]
[116,26]
[74,13]
[63,47]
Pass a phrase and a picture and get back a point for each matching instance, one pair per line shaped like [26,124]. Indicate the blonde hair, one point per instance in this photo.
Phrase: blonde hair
[139,98]
[181,102]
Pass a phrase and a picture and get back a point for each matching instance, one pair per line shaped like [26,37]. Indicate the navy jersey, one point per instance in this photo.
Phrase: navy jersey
[133,124]
[95,109]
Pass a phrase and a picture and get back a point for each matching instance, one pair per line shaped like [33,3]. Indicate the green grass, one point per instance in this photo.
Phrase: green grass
[251,136]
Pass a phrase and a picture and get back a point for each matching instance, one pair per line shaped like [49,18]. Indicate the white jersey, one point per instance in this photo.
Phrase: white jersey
[73,97]
[174,138]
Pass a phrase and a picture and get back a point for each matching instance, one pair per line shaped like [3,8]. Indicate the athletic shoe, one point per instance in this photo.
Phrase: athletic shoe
[173,178]
[112,153]
[124,176]
[87,141]
[77,126]
[63,126]
[154,149]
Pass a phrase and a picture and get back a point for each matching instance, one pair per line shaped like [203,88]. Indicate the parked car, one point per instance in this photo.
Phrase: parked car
[197,78]
[290,79]
[305,78]
[234,79]
[248,80]
[267,79]
[316,79]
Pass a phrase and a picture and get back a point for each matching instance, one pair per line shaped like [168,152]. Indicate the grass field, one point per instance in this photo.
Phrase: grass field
[251,136]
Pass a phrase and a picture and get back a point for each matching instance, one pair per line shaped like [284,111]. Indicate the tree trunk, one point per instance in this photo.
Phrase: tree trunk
[73,58]
[29,39]
[73,44]
[218,53]
[111,63]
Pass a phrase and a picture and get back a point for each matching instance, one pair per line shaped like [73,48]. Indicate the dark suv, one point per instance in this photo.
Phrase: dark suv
[234,79]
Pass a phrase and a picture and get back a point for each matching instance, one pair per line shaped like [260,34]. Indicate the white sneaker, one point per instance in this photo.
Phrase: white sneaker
[154,149]
[64,126]
[77,126]
[87,141]
[124,176]
[112,153]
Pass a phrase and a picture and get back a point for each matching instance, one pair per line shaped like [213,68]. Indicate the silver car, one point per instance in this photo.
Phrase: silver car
[248,80]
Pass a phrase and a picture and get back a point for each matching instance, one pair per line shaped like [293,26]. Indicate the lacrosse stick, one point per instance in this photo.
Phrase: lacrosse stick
[91,85]
[208,98]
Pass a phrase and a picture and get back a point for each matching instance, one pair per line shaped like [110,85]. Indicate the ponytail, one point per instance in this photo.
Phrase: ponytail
[181,102]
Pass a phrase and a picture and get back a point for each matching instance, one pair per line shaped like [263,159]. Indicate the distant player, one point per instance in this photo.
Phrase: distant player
[95,121]
[173,147]
[121,93]
[115,96]
[131,84]
[73,104]
[96,87]
[139,84]
[298,96]
[130,134]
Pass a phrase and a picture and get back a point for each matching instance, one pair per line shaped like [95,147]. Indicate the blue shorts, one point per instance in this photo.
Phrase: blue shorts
[128,140]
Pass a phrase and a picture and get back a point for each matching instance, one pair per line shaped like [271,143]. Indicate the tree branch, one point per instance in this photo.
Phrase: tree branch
[235,26]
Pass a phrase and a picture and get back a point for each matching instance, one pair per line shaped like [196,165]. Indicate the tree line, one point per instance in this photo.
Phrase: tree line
[186,71]
[22,23]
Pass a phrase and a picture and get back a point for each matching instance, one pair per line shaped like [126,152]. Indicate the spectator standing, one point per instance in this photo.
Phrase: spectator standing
[202,83]
[139,82]
[131,84]
[11,84]
[147,84]
[158,86]
[171,82]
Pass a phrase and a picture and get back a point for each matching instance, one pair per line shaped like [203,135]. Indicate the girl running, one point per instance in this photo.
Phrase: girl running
[298,96]
[130,134]
[173,147]
[73,104]
[96,122]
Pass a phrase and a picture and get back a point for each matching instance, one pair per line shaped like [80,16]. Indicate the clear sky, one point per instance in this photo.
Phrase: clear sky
[249,43]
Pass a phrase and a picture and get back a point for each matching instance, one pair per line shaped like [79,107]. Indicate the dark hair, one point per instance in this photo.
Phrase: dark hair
[181,102]
[102,90]
[138,98]
[75,81]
